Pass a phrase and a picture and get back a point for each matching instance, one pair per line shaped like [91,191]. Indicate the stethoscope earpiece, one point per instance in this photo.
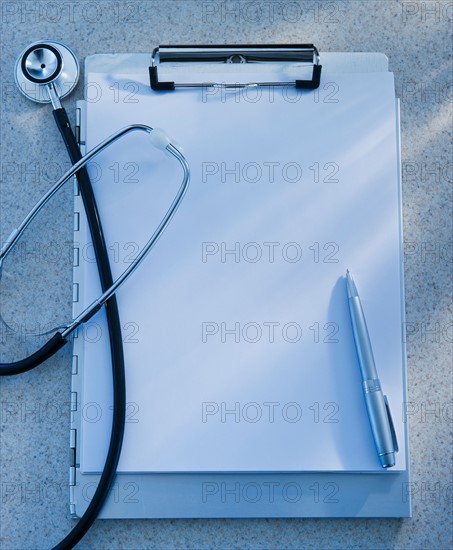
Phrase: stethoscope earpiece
[46,70]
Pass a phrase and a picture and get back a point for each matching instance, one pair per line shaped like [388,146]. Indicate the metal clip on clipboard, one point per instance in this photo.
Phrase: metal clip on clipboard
[305,53]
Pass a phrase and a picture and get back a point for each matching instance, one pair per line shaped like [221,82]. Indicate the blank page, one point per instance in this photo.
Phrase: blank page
[238,344]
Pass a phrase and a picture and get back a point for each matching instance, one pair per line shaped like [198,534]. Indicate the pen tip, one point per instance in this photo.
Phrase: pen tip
[350,285]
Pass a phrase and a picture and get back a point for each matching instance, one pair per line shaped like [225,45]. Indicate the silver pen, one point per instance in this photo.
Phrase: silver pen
[376,402]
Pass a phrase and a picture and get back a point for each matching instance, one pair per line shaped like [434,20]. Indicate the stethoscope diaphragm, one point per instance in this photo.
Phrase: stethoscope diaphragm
[46,63]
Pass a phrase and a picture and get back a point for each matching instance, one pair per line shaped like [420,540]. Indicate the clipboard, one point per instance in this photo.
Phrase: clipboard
[233,494]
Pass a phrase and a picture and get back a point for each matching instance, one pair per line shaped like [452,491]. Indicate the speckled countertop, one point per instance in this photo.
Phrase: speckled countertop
[34,435]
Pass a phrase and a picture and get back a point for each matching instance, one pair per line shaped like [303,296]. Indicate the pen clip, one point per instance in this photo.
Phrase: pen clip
[392,427]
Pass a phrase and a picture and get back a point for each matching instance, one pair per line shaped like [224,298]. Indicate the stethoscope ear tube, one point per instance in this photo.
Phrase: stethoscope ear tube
[63,123]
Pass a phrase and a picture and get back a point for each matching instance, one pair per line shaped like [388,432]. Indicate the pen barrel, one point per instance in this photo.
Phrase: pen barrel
[379,421]
[362,340]
[374,398]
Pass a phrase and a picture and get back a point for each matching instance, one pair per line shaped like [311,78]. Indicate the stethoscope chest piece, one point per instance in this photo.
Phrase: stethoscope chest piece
[43,64]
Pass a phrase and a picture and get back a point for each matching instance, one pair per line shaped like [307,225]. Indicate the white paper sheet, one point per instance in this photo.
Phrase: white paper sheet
[240,357]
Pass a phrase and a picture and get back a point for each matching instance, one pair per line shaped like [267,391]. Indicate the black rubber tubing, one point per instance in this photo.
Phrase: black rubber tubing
[49,348]
[115,337]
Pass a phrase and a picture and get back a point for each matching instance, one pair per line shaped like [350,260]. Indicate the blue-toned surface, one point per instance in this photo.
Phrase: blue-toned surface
[35,410]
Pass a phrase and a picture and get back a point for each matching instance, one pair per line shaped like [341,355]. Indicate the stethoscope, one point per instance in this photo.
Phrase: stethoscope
[46,72]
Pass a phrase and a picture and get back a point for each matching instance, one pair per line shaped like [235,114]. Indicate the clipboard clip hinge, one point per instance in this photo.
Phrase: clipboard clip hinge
[301,53]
